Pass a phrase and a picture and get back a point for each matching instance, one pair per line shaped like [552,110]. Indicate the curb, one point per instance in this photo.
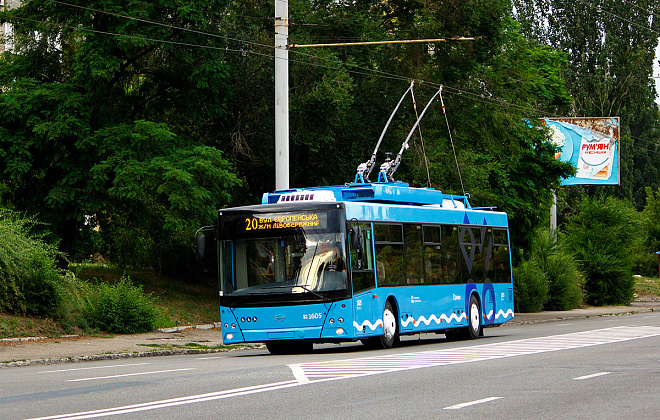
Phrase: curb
[117,356]
[217,325]
[572,317]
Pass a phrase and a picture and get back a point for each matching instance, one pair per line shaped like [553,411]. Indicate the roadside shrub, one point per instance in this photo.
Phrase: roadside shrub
[565,280]
[646,262]
[120,308]
[603,237]
[28,273]
[530,286]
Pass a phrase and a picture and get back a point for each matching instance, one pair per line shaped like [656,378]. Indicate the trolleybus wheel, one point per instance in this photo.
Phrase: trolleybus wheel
[474,319]
[390,327]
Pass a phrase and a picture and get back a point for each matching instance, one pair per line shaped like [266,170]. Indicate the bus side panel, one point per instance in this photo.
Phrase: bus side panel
[433,308]
[368,318]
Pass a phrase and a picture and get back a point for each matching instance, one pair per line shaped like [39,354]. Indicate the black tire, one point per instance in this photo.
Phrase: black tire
[390,335]
[474,328]
[390,338]
[289,346]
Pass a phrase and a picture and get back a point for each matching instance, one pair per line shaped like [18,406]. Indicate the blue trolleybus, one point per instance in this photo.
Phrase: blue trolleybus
[362,261]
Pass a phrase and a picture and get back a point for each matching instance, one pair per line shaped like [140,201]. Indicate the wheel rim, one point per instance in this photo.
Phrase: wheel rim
[389,324]
[474,317]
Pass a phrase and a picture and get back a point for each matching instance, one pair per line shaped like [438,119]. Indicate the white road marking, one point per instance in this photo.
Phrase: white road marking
[351,368]
[467,404]
[95,367]
[211,357]
[173,402]
[129,374]
[594,375]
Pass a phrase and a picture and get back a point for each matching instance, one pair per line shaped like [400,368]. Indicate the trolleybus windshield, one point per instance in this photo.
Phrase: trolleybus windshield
[283,258]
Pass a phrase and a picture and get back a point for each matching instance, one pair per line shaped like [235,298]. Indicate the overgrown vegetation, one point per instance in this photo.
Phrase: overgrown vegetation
[550,278]
[28,274]
[602,237]
[120,308]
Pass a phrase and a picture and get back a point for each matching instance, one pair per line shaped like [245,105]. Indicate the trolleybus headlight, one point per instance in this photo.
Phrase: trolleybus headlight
[254,319]
[249,319]
[226,326]
[341,320]
[332,321]
[339,331]
[233,326]
[230,336]
[243,319]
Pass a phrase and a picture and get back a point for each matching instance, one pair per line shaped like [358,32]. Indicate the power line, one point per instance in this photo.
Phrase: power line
[351,68]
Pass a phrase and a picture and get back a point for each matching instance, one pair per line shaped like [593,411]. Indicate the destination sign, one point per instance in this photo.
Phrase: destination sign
[276,221]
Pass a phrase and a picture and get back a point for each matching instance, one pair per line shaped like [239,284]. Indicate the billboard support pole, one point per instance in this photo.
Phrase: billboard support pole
[553,212]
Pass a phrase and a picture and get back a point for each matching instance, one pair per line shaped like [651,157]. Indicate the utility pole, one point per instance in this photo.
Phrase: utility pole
[281,94]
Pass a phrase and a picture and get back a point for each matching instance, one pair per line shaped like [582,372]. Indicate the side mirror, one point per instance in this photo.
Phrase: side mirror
[356,239]
[357,244]
[200,246]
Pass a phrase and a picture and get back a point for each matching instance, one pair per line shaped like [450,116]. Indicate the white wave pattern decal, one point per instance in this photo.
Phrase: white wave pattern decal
[433,318]
[501,313]
[361,327]
[443,318]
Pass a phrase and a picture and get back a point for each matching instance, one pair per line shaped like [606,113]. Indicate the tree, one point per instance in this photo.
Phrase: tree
[89,91]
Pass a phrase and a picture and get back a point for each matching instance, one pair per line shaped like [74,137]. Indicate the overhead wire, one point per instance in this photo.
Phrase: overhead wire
[349,66]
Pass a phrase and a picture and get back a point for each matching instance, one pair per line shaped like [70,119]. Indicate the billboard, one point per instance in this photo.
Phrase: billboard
[591,145]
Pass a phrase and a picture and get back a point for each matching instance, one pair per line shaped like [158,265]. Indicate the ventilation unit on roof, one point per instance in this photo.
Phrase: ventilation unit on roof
[303,196]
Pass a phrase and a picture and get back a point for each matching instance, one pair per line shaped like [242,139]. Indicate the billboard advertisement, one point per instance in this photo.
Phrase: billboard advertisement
[591,145]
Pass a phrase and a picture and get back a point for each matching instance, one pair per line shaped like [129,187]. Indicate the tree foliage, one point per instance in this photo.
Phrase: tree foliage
[602,236]
[97,119]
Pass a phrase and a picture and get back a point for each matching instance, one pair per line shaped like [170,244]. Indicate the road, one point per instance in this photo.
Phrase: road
[606,368]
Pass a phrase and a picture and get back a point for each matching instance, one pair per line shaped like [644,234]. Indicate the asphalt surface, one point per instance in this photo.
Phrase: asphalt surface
[208,339]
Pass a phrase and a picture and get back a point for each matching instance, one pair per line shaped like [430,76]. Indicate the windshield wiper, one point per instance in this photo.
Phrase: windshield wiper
[244,297]
[304,287]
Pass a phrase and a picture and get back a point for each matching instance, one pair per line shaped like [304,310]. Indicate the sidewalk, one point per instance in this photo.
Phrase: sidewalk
[208,339]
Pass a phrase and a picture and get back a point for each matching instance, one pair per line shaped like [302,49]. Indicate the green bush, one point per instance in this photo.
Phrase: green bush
[564,277]
[603,237]
[120,308]
[646,262]
[530,287]
[566,282]
[28,274]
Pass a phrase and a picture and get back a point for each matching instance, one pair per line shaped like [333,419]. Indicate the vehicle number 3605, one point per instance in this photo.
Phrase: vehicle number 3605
[315,315]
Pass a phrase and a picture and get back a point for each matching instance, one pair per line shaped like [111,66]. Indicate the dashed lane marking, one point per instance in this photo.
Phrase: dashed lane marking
[467,404]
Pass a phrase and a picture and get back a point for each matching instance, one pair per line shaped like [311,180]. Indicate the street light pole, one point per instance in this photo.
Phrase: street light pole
[281,95]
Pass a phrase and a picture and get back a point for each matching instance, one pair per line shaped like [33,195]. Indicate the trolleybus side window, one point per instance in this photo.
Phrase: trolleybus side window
[451,255]
[433,255]
[390,265]
[471,245]
[363,279]
[501,262]
[413,254]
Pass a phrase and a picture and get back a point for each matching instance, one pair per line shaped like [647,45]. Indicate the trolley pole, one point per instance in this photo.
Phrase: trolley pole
[281,95]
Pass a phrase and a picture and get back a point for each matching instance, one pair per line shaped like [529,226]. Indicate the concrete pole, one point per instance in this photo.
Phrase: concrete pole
[281,94]
[553,212]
